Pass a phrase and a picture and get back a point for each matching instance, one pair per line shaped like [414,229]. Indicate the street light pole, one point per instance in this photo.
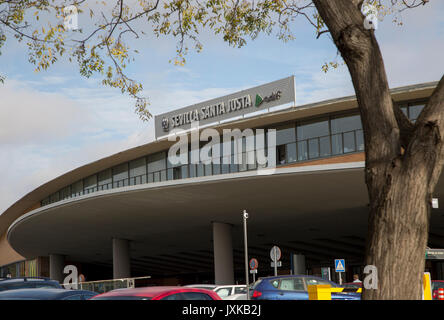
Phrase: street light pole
[245,217]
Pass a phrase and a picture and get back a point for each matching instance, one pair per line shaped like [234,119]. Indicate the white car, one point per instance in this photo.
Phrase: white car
[222,290]
[237,296]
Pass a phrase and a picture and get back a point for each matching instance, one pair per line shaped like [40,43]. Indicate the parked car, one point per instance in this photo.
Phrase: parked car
[352,285]
[237,296]
[222,290]
[202,286]
[294,287]
[436,284]
[159,293]
[28,283]
[46,294]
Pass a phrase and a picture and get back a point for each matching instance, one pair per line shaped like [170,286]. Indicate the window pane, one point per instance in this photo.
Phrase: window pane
[311,130]
[120,175]
[65,193]
[313,148]
[90,184]
[200,170]
[325,146]
[105,179]
[281,154]
[349,142]
[302,150]
[138,168]
[156,162]
[360,140]
[291,152]
[345,124]
[77,188]
[415,110]
[336,141]
[54,197]
[285,135]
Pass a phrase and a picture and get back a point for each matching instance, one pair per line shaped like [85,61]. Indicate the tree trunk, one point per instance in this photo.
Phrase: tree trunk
[400,184]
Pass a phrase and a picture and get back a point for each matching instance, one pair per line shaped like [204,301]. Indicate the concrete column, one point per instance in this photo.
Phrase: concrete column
[298,264]
[121,259]
[56,266]
[223,253]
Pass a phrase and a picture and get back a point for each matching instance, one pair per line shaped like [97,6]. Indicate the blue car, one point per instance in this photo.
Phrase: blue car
[46,294]
[294,287]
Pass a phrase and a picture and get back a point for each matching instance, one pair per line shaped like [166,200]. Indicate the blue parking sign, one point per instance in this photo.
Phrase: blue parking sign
[340,265]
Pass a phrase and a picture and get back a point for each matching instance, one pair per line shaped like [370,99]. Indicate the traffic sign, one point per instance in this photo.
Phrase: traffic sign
[276,264]
[340,265]
[254,264]
[253,271]
[275,253]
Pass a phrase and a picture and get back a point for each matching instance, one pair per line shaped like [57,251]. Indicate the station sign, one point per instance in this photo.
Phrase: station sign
[233,105]
[434,254]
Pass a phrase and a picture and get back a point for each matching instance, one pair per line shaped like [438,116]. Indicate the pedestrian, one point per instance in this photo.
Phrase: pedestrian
[356,278]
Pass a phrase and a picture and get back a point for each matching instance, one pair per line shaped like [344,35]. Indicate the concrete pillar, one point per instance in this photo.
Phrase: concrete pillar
[298,264]
[223,253]
[121,259]
[56,266]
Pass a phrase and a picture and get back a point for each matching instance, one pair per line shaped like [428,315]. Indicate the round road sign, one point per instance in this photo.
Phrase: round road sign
[275,254]
[254,264]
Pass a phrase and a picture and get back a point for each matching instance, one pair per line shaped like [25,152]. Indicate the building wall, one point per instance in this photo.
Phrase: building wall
[7,254]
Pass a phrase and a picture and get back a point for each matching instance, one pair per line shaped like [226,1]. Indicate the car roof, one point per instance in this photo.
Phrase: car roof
[149,291]
[26,279]
[44,294]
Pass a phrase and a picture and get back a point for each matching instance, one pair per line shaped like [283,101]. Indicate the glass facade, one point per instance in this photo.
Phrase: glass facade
[295,142]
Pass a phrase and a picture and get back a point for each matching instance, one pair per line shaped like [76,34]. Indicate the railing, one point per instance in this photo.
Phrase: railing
[103,286]
[297,151]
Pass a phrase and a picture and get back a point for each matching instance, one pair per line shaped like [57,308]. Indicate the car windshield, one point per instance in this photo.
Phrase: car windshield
[27,285]
[121,298]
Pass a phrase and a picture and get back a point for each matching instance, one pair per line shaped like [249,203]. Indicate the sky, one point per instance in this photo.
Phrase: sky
[54,121]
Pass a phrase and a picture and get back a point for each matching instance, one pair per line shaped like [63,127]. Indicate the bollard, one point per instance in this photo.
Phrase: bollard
[427,287]
[441,294]
[319,292]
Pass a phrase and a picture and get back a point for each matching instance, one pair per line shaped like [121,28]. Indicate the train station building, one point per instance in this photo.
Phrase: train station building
[136,213]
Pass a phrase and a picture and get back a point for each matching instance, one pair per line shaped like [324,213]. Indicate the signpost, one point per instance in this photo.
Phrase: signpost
[275,254]
[340,267]
[253,268]
[247,278]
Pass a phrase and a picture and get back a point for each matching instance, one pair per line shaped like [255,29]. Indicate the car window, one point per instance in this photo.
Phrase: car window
[74,297]
[223,292]
[314,281]
[175,296]
[292,284]
[275,283]
[240,290]
[195,296]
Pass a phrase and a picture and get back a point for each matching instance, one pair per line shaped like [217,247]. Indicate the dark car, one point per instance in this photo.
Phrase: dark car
[28,283]
[159,293]
[294,287]
[46,294]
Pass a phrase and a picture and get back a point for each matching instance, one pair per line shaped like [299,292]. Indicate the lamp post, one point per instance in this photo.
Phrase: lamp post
[245,217]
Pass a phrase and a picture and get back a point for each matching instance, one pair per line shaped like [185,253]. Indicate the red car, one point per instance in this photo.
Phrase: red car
[436,284]
[158,293]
